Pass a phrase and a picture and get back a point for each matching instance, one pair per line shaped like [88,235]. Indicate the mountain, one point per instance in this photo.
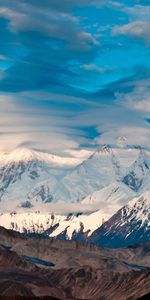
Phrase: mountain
[22,154]
[31,182]
[104,202]
[129,226]
[51,224]
[29,178]
[32,266]
[30,175]
[99,170]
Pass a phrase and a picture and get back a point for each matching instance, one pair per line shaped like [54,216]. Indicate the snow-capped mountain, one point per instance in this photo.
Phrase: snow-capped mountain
[130,225]
[31,182]
[25,172]
[26,155]
[99,170]
[108,200]
[53,225]
[29,178]
[36,177]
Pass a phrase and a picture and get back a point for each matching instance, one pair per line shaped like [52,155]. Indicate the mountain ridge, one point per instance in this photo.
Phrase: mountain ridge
[31,186]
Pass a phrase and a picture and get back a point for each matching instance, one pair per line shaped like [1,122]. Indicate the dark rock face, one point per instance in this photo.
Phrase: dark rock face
[26,204]
[138,171]
[132,181]
[42,192]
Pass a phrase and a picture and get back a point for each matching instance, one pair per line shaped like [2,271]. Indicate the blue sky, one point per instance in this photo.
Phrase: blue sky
[74,74]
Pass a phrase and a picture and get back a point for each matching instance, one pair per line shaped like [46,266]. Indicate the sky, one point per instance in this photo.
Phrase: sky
[74,74]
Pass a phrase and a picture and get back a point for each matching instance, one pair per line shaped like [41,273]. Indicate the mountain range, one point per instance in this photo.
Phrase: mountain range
[106,196]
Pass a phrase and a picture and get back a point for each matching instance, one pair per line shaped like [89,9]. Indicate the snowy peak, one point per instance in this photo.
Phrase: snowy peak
[29,175]
[122,141]
[98,171]
[104,150]
[22,154]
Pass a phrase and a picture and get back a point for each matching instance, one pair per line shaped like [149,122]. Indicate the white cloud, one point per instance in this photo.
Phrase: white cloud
[40,127]
[81,153]
[138,11]
[138,136]
[52,23]
[95,68]
[137,29]
[142,105]
[138,99]
[24,120]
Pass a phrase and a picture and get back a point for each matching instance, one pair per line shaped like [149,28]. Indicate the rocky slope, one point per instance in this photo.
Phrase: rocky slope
[78,272]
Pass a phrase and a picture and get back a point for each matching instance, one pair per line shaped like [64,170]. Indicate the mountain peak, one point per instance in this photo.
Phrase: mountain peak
[22,154]
[122,141]
[105,149]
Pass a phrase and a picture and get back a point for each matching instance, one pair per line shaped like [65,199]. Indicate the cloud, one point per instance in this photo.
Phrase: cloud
[139,24]
[143,105]
[137,136]
[63,86]
[141,12]
[41,127]
[33,119]
[126,116]
[95,68]
[137,29]
[138,99]
[40,41]
[56,24]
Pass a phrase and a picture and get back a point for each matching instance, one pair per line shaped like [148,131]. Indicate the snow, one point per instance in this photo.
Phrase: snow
[25,155]
[39,222]
[139,208]
[110,198]
[95,185]
[126,156]
[42,177]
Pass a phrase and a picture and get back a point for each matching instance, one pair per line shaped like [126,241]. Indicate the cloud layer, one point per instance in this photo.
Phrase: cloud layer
[74,74]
